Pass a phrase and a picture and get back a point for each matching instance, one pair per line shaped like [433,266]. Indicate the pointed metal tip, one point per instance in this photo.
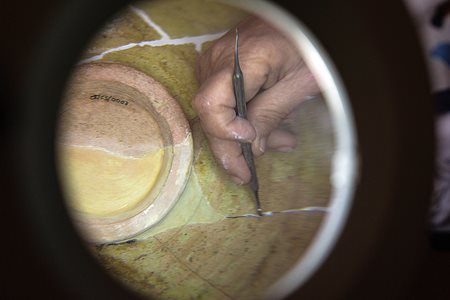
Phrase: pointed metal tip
[237,41]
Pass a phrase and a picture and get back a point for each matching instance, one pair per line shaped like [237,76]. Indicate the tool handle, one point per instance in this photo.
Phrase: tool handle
[238,88]
[248,156]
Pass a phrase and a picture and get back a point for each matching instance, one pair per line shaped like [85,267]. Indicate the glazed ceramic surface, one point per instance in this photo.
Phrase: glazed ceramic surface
[196,251]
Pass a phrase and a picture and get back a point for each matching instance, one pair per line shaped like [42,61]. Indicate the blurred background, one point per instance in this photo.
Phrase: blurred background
[27,272]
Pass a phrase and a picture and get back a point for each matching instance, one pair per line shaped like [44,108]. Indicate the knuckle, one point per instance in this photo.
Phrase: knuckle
[200,103]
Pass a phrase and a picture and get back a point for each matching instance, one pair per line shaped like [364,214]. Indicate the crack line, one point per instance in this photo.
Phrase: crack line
[146,18]
[191,270]
[165,39]
[295,210]
[196,40]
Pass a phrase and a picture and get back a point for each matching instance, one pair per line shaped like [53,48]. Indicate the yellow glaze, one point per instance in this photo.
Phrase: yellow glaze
[101,183]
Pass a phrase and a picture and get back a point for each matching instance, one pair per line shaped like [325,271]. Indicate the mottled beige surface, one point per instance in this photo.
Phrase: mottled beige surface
[196,252]
[172,65]
[130,130]
[234,258]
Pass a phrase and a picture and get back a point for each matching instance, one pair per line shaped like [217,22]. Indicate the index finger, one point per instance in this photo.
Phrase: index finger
[214,103]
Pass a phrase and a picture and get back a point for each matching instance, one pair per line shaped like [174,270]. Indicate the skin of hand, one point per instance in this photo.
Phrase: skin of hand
[276,81]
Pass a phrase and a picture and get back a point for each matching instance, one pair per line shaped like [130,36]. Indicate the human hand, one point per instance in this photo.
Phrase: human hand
[276,81]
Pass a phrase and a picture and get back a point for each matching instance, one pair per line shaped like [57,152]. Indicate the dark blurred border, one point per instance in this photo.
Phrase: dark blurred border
[30,272]
[41,254]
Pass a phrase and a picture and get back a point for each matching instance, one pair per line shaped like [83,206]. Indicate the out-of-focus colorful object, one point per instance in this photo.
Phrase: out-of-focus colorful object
[442,51]
[432,19]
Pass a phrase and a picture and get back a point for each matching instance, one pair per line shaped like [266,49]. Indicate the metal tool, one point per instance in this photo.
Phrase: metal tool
[241,111]
[315,209]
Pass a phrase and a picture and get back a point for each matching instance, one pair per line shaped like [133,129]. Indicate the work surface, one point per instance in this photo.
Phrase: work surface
[197,252]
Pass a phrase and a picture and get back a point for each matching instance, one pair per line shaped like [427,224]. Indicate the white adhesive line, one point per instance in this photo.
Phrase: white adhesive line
[165,39]
[200,39]
[309,208]
[114,49]
[196,40]
[296,210]
[146,18]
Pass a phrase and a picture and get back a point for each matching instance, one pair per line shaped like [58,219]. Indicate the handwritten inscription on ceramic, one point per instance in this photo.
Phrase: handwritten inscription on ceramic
[108,98]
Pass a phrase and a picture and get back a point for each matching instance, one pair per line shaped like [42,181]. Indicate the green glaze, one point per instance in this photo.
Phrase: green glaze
[172,66]
[224,196]
[194,17]
[126,27]
[191,207]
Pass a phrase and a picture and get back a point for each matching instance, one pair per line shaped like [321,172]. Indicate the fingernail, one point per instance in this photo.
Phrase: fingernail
[237,180]
[240,138]
[285,149]
[262,145]
[244,131]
